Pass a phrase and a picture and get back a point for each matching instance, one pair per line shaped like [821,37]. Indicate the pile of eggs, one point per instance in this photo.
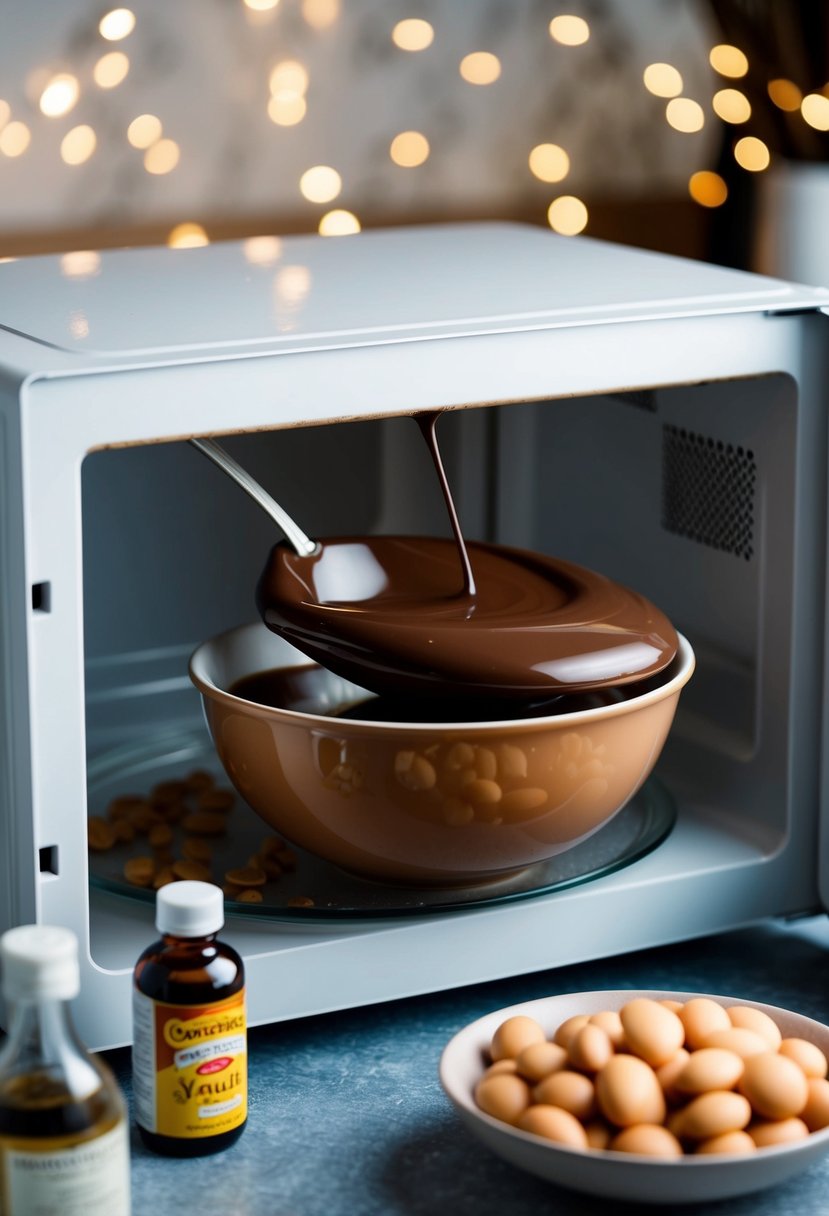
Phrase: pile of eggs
[658,1077]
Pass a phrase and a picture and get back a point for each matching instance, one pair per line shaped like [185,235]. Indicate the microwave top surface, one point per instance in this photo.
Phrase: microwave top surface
[406,284]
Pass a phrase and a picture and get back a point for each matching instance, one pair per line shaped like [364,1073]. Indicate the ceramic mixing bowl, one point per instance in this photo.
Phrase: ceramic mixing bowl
[445,803]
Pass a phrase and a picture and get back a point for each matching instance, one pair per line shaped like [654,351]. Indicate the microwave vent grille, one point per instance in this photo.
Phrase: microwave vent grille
[708,491]
[641,398]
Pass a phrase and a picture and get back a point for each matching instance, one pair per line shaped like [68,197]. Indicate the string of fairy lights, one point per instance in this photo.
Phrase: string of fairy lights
[288,83]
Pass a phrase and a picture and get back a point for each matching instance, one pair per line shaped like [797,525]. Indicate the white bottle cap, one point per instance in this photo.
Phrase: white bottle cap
[40,962]
[189,909]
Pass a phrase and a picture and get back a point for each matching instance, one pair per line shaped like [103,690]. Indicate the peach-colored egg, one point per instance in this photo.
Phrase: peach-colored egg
[710,1068]
[572,1091]
[504,1096]
[701,1017]
[668,1073]
[728,1142]
[569,1028]
[815,1113]
[652,1032]
[539,1060]
[554,1124]
[806,1055]
[513,1035]
[599,1134]
[648,1139]
[713,1113]
[746,1018]
[778,1131]
[674,1006]
[774,1085]
[611,1024]
[628,1092]
[590,1048]
[742,1042]
[501,1066]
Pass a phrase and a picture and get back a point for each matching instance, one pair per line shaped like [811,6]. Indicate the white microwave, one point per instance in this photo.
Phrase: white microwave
[660,420]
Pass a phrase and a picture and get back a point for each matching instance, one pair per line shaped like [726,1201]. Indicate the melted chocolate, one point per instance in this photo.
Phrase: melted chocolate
[426,617]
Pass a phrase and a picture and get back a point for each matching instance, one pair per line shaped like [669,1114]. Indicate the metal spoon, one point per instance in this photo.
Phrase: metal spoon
[302,544]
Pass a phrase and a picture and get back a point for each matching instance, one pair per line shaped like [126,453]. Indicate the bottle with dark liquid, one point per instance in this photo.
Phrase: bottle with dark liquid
[64,1147]
[189,1056]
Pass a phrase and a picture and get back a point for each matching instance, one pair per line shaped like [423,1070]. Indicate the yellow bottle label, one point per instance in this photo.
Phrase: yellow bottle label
[189,1066]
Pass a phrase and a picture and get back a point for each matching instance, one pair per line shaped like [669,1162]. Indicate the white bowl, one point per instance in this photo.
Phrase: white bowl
[614,1175]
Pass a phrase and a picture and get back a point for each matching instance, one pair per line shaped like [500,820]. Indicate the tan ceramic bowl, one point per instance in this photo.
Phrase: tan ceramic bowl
[414,803]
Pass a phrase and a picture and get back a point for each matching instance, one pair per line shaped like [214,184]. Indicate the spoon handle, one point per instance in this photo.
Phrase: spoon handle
[215,452]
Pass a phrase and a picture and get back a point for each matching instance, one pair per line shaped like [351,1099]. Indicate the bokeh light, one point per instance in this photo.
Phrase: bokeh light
[567,215]
[319,14]
[5,113]
[752,154]
[480,67]
[111,69]
[15,139]
[413,34]
[339,223]
[815,111]
[289,76]
[261,6]
[187,236]
[286,110]
[144,130]
[162,157]
[662,79]
[117,24]
[549,162]
[785,94]
[80,263]
[409,149]
[320,184]
[707,188]
[569,30]
[731,106]
[685,115]
[59,95]
[728,60]
[262,250]
[78,145]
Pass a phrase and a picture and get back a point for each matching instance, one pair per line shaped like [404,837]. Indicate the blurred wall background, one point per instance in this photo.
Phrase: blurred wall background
[194,120]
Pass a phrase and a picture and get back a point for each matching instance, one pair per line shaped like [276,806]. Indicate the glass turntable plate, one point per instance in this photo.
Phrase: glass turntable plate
[319,890]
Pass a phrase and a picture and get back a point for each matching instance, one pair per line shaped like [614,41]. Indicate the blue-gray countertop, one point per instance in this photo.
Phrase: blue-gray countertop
[347,1117]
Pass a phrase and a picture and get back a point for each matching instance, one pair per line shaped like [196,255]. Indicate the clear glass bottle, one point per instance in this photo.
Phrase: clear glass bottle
[64,1145]
[189,1056]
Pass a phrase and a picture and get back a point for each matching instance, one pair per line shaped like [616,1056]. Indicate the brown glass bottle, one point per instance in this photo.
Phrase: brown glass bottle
[189,1051]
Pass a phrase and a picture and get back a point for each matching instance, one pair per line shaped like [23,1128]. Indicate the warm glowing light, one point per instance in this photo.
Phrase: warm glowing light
[409,149]
[187,236]
[8,260]
[480,67]
[662,79]
[752,154]
[15,139]
[320,184]
[686,115]
[262,250]
[785,94]
[80,263]
[59,95]
[292,284]
[144,130]
[261,6]
[567,215]
[815,111]
[728,60]
[569,30]
[162,157]
[287,109]
[339,223]
[320,13]
[78,145]
[549,162]
[731,105]
[289,76]
[111,69]
[5,113]
[707,188]
[117,24]
[413,34]
[79,325]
